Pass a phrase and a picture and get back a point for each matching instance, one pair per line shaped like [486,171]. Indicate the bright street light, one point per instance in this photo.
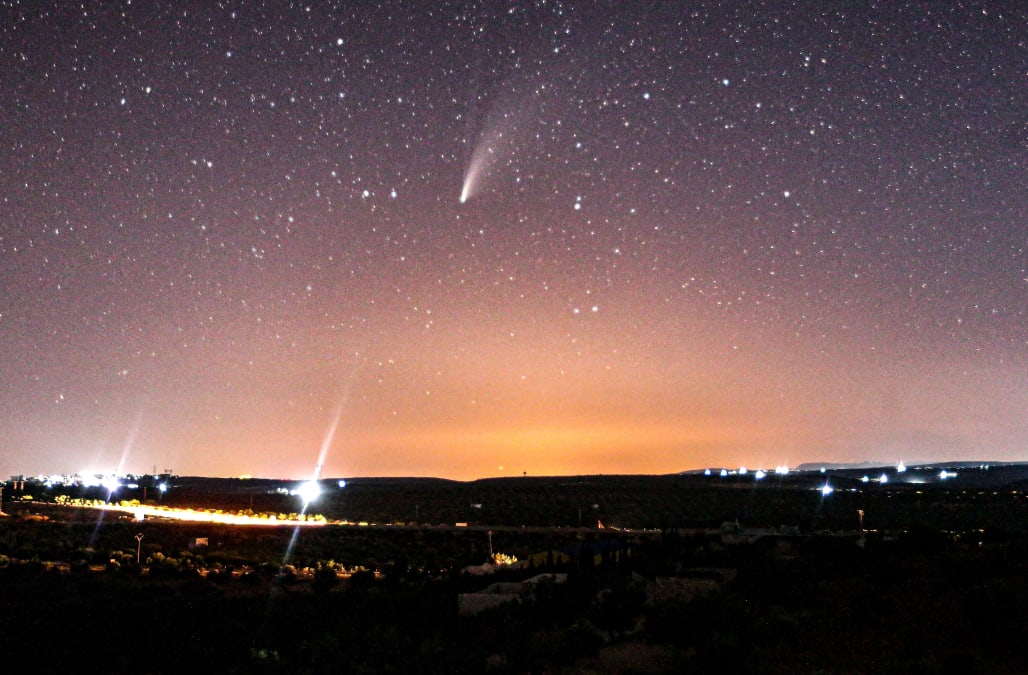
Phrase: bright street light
[309,491]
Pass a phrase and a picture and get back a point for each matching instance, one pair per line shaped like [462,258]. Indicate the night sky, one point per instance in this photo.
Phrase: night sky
[471,239]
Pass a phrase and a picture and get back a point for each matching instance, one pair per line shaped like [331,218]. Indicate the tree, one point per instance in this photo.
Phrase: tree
[325,579]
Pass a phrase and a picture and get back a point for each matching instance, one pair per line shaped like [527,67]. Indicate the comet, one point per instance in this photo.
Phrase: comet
[469,183]
[482,161]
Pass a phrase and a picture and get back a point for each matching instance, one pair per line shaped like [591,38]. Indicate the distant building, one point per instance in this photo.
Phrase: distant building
[691,584]
[732,533]
[494,595]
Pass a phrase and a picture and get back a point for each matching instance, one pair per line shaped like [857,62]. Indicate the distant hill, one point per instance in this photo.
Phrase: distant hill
[868,464]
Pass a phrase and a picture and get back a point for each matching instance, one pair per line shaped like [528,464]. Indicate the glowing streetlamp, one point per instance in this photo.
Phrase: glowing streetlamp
[111,484]
[309,492]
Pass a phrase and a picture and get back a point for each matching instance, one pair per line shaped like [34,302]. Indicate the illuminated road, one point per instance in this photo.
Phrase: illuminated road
[141,512]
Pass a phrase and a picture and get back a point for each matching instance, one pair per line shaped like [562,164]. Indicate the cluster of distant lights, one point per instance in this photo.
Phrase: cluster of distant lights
[308,491]
[827,488]
[109,481]
[759,474]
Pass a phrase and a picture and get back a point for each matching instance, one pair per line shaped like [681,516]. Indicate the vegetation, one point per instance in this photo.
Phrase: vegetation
[934,586]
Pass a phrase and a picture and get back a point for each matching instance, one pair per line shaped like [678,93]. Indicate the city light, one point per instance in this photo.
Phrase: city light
[140,512]
[309,491]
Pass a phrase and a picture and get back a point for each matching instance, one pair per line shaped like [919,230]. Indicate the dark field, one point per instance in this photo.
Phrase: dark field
[935,583]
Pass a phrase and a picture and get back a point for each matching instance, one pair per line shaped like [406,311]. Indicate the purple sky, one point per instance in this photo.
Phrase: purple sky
[494,238]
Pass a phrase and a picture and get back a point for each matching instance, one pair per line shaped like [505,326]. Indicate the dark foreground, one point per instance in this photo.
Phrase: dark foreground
[936,583]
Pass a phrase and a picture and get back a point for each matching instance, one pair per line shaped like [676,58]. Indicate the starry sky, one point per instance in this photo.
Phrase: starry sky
[468,239]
